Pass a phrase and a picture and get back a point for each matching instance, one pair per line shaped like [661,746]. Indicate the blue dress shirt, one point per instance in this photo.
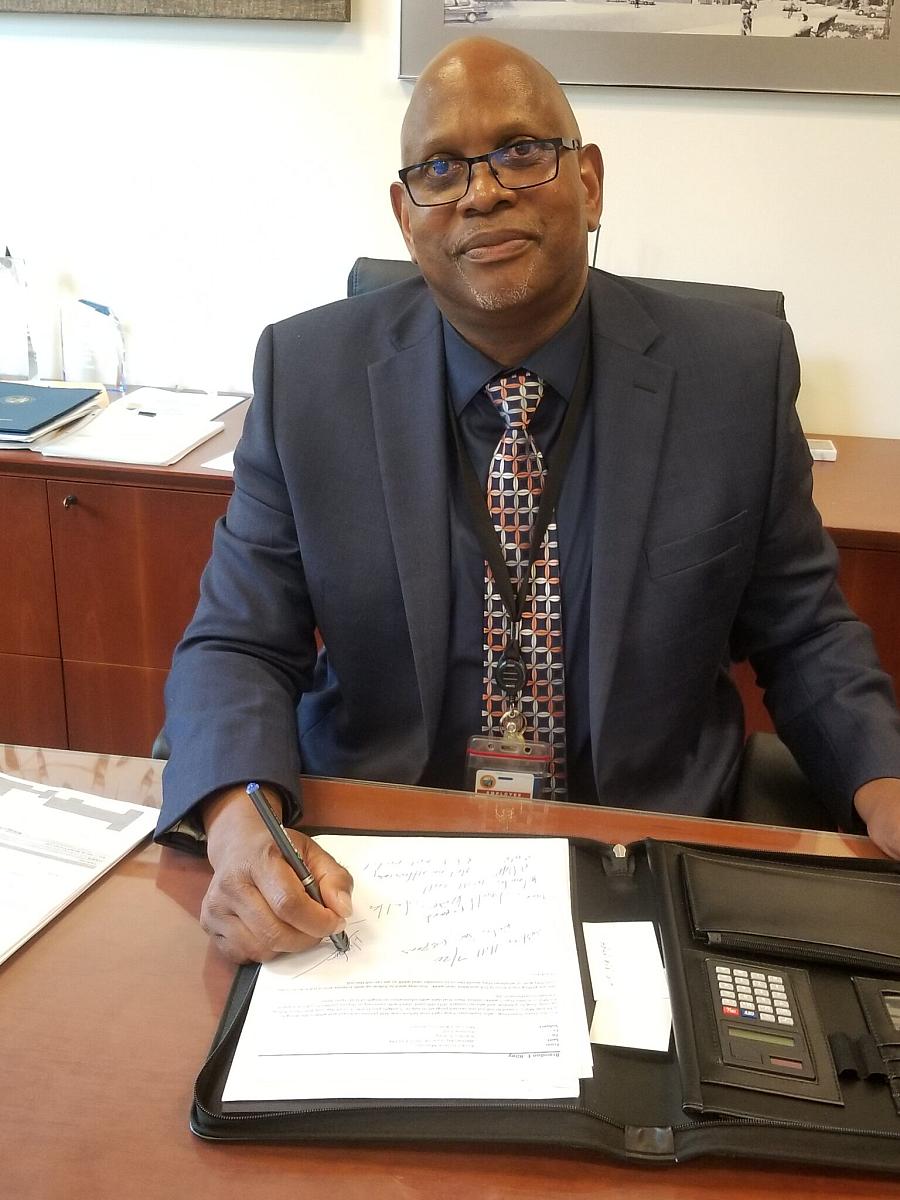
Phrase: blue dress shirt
[468,371]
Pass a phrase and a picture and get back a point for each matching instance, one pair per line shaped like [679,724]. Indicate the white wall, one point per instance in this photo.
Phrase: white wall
[206,177]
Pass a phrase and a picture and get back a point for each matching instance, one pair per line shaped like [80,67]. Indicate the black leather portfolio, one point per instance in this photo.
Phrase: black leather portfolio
[784,981]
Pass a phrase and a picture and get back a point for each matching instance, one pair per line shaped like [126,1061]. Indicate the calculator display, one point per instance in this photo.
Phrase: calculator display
[892,1005]
[753,1036]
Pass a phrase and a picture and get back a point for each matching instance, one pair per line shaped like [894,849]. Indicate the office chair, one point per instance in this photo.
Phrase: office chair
[367,274]
[772,789]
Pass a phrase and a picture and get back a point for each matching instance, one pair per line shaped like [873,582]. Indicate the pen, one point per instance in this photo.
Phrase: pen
[340,941]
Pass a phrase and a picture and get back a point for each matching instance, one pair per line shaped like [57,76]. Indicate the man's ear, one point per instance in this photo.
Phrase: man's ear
[592,179]
[400,205]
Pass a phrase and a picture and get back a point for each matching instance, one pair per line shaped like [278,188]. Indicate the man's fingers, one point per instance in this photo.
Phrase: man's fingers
[335,882]
[251,923]
[232,938]
[257,908]
[878,803]
[228,932]
[281,890]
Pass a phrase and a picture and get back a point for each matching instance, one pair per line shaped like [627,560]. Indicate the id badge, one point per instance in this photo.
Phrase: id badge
[497,766]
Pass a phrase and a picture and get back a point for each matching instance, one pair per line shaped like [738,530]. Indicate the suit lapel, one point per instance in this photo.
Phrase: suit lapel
[408,407]
[630,397]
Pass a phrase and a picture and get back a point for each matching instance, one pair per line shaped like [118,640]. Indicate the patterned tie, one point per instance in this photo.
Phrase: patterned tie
[515,483]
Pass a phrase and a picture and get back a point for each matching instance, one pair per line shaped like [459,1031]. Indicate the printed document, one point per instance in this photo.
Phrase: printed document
[53,844]
[462,980]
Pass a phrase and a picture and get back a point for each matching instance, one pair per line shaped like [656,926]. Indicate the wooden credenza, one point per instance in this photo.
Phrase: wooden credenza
[102,567]
[102,564]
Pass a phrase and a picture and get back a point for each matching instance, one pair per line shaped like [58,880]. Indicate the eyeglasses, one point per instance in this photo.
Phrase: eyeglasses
[523,164]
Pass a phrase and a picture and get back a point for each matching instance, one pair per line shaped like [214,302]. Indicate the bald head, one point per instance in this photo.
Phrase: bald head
[505,257]
[459,68]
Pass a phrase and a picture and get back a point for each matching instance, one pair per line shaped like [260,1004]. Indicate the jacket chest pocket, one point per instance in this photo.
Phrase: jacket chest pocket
[717,542]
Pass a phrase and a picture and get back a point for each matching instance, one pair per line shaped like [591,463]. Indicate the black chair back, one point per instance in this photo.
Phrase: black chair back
[367,274]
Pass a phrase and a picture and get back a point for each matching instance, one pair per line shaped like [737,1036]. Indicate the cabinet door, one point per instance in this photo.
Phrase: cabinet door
[128,562]
[32,708]
[113,710]
[871,582]
[27,596]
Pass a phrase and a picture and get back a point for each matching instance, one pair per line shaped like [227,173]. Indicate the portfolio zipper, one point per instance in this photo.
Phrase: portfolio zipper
[740,941]
[720,1123]
[776,1123]
[449,1105]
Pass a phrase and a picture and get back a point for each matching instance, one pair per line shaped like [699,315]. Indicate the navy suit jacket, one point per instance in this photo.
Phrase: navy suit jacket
[707,546]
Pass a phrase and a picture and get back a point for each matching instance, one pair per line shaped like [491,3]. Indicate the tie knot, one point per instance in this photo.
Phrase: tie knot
[516,396]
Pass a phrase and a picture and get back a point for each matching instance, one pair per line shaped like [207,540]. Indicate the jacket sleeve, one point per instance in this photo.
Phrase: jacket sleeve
[250,650]
[829,698]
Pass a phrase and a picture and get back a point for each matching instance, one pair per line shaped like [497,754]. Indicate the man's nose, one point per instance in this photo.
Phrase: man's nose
[484,191]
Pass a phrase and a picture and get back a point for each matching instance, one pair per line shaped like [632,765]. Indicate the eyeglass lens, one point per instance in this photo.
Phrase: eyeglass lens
[523,164]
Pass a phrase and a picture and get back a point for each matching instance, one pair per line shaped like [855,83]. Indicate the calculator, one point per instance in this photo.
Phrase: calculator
[758,1018]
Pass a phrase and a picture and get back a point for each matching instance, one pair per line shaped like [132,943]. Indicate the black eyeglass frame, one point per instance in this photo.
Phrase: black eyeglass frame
[558,143]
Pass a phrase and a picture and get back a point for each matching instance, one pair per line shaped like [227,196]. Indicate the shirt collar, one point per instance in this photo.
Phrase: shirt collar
[556,361]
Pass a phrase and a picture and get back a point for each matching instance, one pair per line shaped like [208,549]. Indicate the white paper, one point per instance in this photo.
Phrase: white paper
[462,980]
[225,462]
[629,984]
[202,406]
[133,435]
[54,843]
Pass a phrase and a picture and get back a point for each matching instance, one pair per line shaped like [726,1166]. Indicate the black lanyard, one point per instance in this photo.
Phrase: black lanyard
[514,602]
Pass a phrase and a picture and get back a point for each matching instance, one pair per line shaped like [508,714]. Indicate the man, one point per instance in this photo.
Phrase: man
[684,528]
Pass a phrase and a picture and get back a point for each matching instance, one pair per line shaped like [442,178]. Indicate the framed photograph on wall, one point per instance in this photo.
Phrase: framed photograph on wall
[257,10]
[846,46]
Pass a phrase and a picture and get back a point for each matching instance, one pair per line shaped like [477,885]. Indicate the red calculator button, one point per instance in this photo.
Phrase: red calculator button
[729,1011]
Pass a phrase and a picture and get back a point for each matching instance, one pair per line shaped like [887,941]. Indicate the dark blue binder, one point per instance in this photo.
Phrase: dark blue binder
[25,407]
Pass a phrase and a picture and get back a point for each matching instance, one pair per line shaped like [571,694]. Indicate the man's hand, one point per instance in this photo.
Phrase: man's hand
[255,907]
[878,803]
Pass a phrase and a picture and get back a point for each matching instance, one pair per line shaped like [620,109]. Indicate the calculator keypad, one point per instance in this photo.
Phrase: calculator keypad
[753,995]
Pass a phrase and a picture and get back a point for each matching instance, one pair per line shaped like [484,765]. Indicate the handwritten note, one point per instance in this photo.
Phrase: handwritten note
[461,980]
[629,985]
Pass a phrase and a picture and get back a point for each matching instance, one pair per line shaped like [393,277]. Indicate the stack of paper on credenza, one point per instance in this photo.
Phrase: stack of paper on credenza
[31,412]
[148,427]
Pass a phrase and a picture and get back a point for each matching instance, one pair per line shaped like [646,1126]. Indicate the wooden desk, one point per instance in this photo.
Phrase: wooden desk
[107,561]
[107,1015]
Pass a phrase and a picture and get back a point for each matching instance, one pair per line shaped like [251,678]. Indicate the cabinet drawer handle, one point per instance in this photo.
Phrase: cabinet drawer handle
[69,500]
